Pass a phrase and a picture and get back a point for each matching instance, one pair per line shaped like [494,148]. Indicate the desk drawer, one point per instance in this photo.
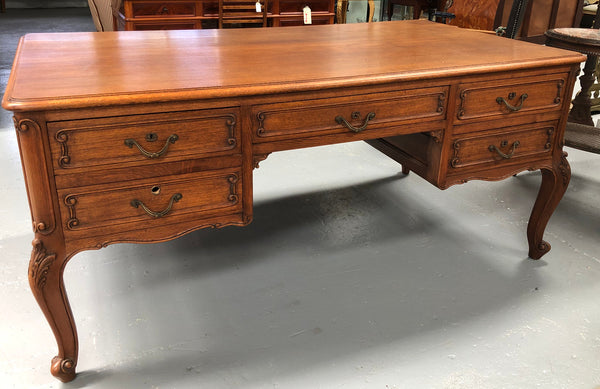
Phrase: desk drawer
[504,146]
[510,97]
[143,139]
[162,9]
[363,113]
[150,202]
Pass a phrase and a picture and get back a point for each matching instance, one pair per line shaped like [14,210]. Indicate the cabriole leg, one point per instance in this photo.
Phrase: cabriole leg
[46,281]
[554,185]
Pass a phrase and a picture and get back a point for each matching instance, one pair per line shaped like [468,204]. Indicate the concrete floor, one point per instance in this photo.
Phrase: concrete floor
[350,276]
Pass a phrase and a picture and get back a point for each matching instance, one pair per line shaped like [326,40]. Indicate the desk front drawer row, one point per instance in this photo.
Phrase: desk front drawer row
[149,202]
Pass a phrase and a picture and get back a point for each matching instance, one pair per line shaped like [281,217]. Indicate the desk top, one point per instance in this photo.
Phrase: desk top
[75,70]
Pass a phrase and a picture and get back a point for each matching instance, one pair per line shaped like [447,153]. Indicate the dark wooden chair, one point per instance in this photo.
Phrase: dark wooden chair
[242,13]
[2,6]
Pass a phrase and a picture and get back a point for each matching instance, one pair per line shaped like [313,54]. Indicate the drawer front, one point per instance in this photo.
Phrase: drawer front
[501,147]
[151,201]
[163,25]
[162,9]
[347,114]
[514,96]
[145,139]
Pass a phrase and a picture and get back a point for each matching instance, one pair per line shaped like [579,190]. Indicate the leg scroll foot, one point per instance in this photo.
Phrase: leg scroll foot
[554,185]
[63,369]
[46,282]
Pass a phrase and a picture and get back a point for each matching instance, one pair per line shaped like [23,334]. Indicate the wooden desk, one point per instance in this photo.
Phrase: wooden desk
[146,136]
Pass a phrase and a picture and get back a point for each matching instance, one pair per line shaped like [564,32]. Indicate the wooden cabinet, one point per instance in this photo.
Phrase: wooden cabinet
[186,14]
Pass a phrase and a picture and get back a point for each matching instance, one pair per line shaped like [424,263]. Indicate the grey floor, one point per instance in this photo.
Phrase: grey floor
[350,276]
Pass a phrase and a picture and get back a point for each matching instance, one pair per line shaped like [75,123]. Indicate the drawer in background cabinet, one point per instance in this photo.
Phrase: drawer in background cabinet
[493,149]
[351,114]
[143,139]
[163,9]
[510,97]
[151,202]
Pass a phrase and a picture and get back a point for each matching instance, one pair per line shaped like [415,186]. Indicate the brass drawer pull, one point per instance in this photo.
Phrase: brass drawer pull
[355,115]
[501,100]
[504,143]
[150,137]
[175,198]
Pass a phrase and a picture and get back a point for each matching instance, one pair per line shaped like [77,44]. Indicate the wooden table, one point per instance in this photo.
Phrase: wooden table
[146,136]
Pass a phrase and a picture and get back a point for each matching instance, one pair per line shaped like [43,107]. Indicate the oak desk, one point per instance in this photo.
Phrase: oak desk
[146,136]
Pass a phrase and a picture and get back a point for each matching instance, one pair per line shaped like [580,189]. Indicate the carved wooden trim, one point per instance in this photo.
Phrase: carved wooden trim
[231,122]
[436,135]
[441,102]
[559,86]
[40,263]
[565,169]
[463,99]
[261,124]
[23,124]
[41,228]
[233,180]
[70,201]
[62,137]
[455,159]
[258,158]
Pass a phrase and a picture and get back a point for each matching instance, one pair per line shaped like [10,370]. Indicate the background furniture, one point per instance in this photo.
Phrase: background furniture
[163,141]
[242,12]
[2,6]
[197,14]
[418,6]
[580,131]
[102,14]
[537,17]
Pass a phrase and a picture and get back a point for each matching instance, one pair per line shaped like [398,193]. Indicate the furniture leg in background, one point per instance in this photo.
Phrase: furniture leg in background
[580,132]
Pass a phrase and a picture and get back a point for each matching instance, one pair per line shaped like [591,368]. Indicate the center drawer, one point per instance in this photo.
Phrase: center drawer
[151,202]
[347,114]
[143,139]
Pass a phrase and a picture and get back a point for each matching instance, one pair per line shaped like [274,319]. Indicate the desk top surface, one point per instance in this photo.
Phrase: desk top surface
[74,70]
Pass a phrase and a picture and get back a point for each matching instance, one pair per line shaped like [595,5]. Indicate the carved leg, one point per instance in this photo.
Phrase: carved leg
[46,282]
[405,170]
[554,185]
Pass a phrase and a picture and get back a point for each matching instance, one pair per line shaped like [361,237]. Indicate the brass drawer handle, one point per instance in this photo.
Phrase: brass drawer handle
[501,100]
[175,198]
[355,115]
[504,143]
[150,137]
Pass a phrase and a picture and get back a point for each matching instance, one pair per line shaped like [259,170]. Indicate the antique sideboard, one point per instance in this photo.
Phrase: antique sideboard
[145,136]
[195,14]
